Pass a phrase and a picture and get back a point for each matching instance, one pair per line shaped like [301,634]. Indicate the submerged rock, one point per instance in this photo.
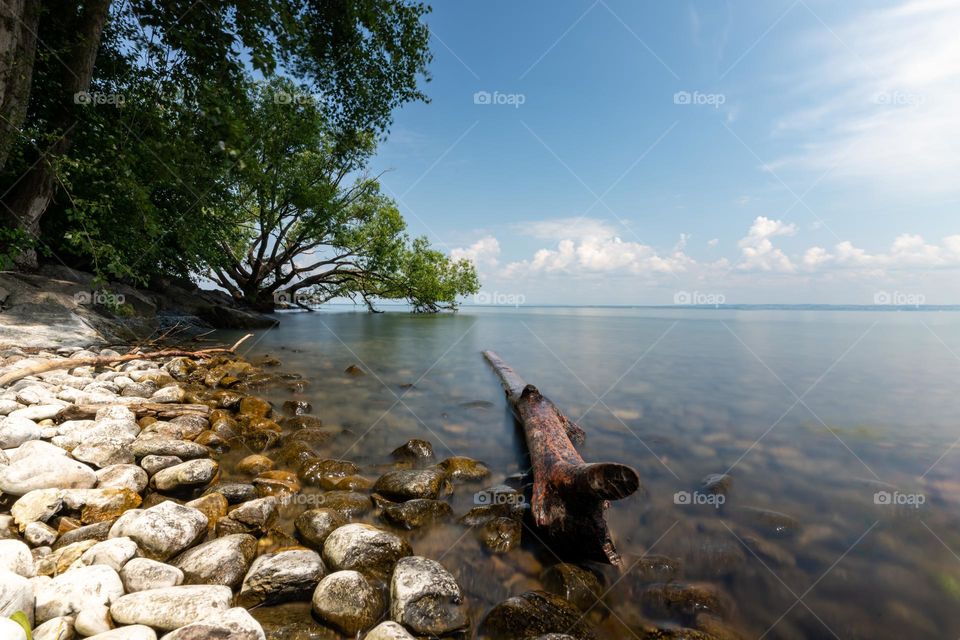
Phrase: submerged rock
[349,504]
[327,473]
[413,514]
[681,601]
[413,451]
[533,614]
[407,484]
[718,483]
[364,548]
[576,584]
[348,601]
[772,523]
[425,597]
[463,468]
[314,525]
[282,576]
[500,535]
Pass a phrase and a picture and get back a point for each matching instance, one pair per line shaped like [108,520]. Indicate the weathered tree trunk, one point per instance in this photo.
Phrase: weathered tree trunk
[569,495]
[19,20]
[156,409]
[31,196]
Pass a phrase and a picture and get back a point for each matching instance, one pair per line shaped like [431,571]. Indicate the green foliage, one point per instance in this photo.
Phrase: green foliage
[13,242]
[311,221]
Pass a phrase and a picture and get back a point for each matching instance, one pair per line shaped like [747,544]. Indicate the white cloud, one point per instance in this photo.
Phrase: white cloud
[713,242]
[887,91]
[485,252]
[757,249]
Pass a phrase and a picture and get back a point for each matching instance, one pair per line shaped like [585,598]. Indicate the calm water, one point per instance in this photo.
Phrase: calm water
[811,414]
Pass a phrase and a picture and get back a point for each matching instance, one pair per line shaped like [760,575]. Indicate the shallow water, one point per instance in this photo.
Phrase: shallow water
[812,413]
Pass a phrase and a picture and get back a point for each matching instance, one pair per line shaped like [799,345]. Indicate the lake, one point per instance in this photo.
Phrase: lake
[837,429]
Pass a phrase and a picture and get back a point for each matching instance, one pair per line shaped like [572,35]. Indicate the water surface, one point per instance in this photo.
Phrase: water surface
[812,414]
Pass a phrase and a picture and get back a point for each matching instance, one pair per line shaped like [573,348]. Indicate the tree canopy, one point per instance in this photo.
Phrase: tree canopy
[135,142]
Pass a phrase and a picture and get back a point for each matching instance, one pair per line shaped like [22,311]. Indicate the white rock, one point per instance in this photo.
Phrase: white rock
[388,631]
[15,556]
[365,548]
[15,431]
[73,591]
[59,628]
[143,574]
[93,620]
[16,594]
[426,598]
[34,448]
[161,531]
[39,534]
[122,476]
[45,472]
[9,406]
[114,553]
[172,607]
[173,393]
[40,505]
[132,632]
[221,561]
[236,622]
[38,411]
[10,630]
[186,474]
[286,575]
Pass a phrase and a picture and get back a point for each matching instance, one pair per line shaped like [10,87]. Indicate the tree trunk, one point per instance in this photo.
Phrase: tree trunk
[19,20]
[569,495]
[31,196]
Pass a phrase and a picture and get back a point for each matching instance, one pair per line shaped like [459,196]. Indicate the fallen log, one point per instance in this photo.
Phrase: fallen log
[99,361]
[155,409]
[569,495]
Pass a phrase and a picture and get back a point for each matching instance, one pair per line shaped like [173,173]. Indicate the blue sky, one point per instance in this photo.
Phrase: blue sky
[626,152]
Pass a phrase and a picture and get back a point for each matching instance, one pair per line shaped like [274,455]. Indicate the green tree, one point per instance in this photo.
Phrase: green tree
[363,57]
[307,224]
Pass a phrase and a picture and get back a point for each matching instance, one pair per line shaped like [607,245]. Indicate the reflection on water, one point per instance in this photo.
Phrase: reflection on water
[817,416]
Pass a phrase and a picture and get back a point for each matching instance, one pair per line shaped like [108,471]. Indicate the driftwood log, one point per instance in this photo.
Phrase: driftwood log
[569,495]
[99,361]
[156,409]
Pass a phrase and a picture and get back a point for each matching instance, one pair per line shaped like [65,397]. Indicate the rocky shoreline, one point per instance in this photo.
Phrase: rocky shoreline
[117,522]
